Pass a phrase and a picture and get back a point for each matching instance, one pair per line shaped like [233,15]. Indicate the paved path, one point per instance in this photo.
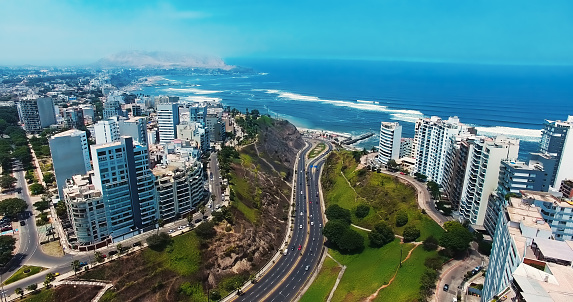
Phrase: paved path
[337,278]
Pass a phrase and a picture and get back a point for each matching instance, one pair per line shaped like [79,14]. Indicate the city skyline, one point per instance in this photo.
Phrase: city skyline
[81,32]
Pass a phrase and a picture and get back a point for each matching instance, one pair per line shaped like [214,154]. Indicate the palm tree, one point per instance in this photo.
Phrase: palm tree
[202,210]
[76,266]
[19,291]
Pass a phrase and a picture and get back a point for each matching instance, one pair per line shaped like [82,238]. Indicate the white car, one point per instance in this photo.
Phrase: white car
[300,226]
[312,223]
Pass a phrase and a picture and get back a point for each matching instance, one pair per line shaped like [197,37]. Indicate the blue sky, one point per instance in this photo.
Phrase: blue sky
[480,31]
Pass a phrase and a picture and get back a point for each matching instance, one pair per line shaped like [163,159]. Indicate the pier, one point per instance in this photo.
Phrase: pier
[351,141]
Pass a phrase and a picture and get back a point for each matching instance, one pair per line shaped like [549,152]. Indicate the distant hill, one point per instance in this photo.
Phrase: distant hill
[158,59]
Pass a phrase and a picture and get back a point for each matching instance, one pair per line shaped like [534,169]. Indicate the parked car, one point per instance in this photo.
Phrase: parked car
[111,253]
[446,287]
[22,222]
[137,244]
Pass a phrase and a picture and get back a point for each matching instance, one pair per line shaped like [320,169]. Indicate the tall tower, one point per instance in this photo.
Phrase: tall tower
[167,121]
[70,156]
[557,141]
[389,146]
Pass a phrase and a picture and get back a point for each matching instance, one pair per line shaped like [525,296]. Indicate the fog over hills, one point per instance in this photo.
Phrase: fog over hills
[159,59]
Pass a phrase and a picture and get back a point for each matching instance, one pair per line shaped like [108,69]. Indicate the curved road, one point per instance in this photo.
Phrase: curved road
[289,274]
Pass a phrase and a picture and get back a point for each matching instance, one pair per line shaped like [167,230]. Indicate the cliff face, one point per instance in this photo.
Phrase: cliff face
[278,143]
[157,59]
[260,204]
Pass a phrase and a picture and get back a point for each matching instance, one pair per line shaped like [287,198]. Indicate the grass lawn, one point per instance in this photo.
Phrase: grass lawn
[45,295]
[19,274]
[367,271]
[322,285]
[251,214]
[317,150]
[182,257]
[405,286]
[385,195]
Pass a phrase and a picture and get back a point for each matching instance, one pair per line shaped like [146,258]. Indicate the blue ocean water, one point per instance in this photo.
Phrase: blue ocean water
[355,96]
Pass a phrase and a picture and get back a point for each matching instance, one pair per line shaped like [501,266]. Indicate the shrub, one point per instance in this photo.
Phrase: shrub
[430,244]
[205,230]
[351,241]
[158,242]
[401,218]
[381,235]
[411,233]
[362,211]
[336,212]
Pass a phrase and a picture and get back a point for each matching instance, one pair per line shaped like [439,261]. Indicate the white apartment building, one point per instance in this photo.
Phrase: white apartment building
[107,131]
[167,121]
[515,231]
[557,141]
[432,143]
[70,156]
[36,113]
[389,144]
[482,174]
[558,213]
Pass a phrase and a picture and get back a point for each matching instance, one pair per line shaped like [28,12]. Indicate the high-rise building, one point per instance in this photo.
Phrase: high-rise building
[557,141]
[214,124]
[567,188]
[482,174]
[135,127]
[167,121]
[70,156]
[36,113]
[179,186]
[406,147]
[389,144]
[516,228]
[556,212]
[73,118]
[432,143]
[194,132]
[112,106]
[122,174]
[514,176]
[107,131]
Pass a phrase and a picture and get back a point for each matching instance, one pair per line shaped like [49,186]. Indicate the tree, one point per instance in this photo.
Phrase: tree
[334,229]
[7,245]
[430,243]
[158,242]
[61,210]
[41,205]
[381,235]
[119,248]
[32,287]
[36,188]
[49,177]
[76,266]
[202,209]
[351,241]
[411,233]
[206,230]
[420,177]
[457,238]
[362,211]
[336,212]
[434,189]
[392,165]
[160,222]
[98,256]
[7,181]
[401,218]
[12,206]
[19,291]
[434,263]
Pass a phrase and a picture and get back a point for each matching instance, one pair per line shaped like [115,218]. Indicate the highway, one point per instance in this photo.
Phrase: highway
[289,274]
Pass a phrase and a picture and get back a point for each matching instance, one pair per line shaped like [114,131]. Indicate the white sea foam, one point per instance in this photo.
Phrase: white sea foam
[193,90]
[199,99]
[532,135]
[396,114]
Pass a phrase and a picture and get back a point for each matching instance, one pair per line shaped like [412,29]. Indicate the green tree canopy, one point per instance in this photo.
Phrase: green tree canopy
[36,188]
[7,181]
[12,206]
[350,242]
[336,212]
[381,235]
[457,238]
[362,210]
[7,246]
[334,229]
[158,242]
[411,233]
[401,218]
[430,243]
[206,230]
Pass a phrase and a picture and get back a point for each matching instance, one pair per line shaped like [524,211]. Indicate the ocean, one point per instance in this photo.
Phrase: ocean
[353,97]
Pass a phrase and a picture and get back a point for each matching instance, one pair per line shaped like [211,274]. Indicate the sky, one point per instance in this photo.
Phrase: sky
[60,32]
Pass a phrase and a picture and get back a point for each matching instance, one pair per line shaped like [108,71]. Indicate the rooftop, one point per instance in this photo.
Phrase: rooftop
[545,197]
[72,132]
[526,214]
[539,286]
[554,249]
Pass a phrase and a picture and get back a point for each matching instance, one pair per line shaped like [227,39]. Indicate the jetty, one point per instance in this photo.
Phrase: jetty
[351,141]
